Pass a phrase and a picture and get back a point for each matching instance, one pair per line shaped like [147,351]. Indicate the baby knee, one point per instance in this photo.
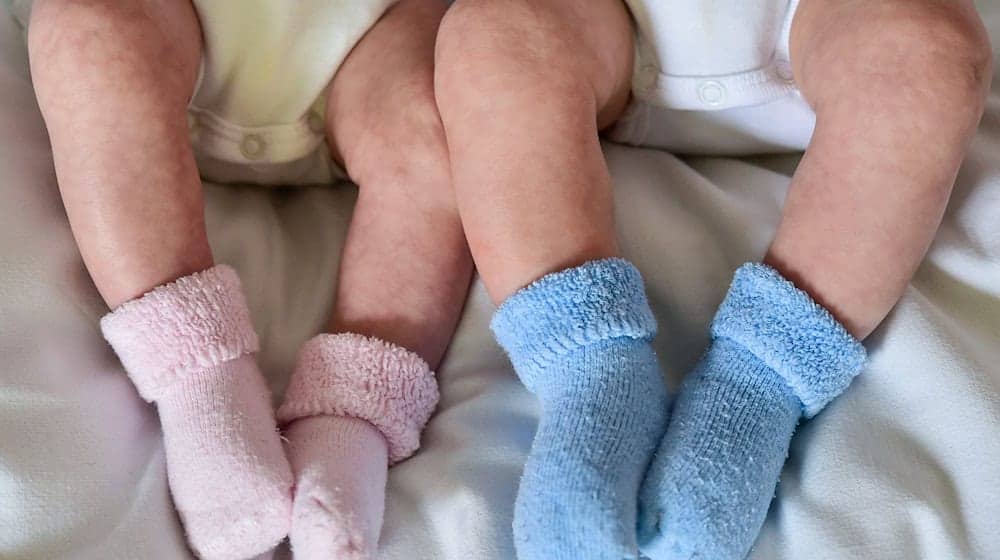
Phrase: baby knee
[948,50]
[941,55]
[106,41]
[65,27]
[400,146]
[476,42]
[526,47]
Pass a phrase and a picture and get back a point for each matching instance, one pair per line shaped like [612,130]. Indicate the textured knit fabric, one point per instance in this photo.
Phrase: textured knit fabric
[340,467]
[188,346]
[355,405]
[179,329]
[791,333]
[775,356]
[361,377]
[580,341]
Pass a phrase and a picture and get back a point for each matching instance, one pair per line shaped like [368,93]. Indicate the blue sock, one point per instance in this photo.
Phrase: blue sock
[580,341]
[775,355]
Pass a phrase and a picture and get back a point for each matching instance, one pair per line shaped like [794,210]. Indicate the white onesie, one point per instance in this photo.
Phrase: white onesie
[711,75]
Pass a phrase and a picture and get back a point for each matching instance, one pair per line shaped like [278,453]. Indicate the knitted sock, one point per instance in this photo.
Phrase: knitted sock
[355,406]
[188,346]
[775,355]
[580,341]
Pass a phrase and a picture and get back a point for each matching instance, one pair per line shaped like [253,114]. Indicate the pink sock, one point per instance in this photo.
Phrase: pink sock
[355,406]
[189,347]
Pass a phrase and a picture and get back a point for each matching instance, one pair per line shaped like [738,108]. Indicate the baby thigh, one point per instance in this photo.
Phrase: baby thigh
[898,88]
[406,267]
[113,80]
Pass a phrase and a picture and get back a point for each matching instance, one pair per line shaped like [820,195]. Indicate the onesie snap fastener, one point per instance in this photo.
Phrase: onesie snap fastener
[252,146]
[711,93]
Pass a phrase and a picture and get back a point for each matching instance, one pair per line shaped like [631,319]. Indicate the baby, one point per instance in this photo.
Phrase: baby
[138,95]
[524,87]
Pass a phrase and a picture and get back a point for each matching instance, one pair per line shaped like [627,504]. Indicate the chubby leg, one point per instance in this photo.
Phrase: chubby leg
[898,88]
[404,277]
[406,266]
[113,80]
[910,79]
[523,88]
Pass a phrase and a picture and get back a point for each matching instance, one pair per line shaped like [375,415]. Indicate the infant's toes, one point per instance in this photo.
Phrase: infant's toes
[323,528]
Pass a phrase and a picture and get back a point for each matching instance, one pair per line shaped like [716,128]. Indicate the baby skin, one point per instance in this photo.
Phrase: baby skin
[524,87]
[113,81]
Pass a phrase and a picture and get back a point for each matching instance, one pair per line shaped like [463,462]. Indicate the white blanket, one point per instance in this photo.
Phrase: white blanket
[905,465]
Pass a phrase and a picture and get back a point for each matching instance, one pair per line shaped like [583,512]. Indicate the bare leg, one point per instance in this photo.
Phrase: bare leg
[406,267]
[113,80]
[523,88]
[404,275]
[898,88]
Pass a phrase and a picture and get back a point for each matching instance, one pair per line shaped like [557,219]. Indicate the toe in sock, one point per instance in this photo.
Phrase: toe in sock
[354,406]
[188,346]
[580,341]
[340,467]
[775,356]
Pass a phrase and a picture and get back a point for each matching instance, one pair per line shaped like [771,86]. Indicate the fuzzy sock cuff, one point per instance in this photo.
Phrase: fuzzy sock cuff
[791,333]
[561,312]
[181,328]
[365,378]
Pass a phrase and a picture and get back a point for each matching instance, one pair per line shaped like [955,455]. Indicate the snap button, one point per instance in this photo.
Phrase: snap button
[252,146]
[711,93]
[315,122]
[783,69]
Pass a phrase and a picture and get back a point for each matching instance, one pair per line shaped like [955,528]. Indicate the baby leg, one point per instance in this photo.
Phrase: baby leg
[898,88]
[523,88]
[403,280]
[113,80]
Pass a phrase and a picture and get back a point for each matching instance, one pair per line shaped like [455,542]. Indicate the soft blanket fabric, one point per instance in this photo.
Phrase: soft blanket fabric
[902,466]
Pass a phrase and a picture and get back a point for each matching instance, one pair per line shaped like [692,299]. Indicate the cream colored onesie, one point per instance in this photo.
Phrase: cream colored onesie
[257,112]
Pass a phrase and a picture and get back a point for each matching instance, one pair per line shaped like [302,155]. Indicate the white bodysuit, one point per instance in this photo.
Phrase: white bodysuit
[714,77]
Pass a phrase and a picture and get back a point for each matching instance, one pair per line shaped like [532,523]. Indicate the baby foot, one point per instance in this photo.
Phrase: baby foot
[580,340]
[775,355]
[355,405]
[188,346]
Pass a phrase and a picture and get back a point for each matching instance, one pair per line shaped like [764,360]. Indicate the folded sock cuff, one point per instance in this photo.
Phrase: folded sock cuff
[791,333]
[366,378]
[561,312]
[180,328]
